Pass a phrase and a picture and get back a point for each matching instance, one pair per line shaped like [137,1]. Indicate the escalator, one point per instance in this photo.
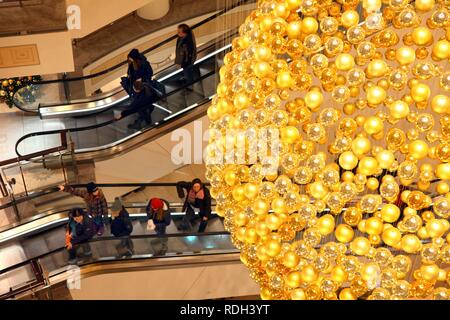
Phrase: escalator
[87,131]
[101,130]
[37,244]
[77,94]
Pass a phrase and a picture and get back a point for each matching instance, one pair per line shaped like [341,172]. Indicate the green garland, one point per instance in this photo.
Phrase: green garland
[8,87]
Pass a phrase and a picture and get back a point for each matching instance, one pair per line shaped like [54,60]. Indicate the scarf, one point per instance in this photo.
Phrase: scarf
[192,195]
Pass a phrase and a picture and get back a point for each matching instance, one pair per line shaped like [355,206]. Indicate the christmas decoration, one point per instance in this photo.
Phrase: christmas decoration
[357,185]
[9,87]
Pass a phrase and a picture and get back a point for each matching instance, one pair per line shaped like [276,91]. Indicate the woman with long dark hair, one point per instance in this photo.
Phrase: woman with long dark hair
[139,69]
[198,199]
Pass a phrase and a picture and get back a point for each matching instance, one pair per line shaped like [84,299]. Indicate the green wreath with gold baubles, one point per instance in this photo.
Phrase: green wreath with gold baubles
[8,87]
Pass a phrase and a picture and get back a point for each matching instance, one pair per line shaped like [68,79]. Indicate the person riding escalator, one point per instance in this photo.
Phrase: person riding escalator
[142,103]
[79,231]
[139,69]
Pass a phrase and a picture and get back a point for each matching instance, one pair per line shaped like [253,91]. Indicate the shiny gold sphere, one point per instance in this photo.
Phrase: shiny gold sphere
[344,62]
[443,171]
[422,36]
[360,246]
[309,25]
[424,5]
[405,55]
[391,236]
[376,68]
[346,294]
[313,99]
[441,49]
[348,160]
[440,104]
[361,146]
[411,243]
[376,95]
[390,213]
[349,18]
[374,226]
[418,149]
[420,92]
[373,125]
[344,233]
[399,109]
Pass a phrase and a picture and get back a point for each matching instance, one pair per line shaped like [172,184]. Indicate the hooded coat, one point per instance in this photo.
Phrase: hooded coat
[145,71]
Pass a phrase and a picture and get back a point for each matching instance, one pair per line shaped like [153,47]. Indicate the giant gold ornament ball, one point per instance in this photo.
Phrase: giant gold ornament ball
[358,95]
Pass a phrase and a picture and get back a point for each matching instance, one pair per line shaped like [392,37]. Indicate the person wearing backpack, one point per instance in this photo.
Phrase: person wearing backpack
[79,231]
[159,212]
[122,227]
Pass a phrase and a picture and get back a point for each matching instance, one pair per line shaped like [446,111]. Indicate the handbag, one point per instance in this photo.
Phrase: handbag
[125,82]
[150,225]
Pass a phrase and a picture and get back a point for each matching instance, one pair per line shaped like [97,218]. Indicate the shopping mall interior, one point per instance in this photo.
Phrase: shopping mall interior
[224,150]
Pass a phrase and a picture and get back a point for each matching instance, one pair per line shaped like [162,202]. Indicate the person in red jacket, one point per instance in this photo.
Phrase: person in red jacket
[159,211]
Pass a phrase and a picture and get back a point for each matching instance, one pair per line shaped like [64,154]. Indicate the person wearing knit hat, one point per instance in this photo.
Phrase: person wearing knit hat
[158,210]
[122,227]
[96,203]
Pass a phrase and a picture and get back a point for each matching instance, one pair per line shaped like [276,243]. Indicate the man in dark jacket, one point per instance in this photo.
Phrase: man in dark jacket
[122,227]
[186,55]
[95,201]
[198,199]
[80,230]
[142,103]
[138,69]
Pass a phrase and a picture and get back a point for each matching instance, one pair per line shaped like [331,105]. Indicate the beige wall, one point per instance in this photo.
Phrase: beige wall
[52,54]
[183,283]
[99,13]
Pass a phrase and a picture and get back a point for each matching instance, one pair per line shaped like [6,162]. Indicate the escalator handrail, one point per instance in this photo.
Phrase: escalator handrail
[119,89]
[111,238]
[218,14]
[98,125]
[51,190]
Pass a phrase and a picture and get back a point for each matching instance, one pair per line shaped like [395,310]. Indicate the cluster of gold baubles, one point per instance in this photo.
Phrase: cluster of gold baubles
[360,205]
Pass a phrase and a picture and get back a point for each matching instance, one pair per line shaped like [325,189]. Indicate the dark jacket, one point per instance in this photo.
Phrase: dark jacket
[145,71]
[164,222]
[204,205]
[140,100]
[186,51]
[83,231]
[122,226]
[96,206]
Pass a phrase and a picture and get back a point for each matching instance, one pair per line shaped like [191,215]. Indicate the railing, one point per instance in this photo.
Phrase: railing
[63,146]
[52,190]
[37,265]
